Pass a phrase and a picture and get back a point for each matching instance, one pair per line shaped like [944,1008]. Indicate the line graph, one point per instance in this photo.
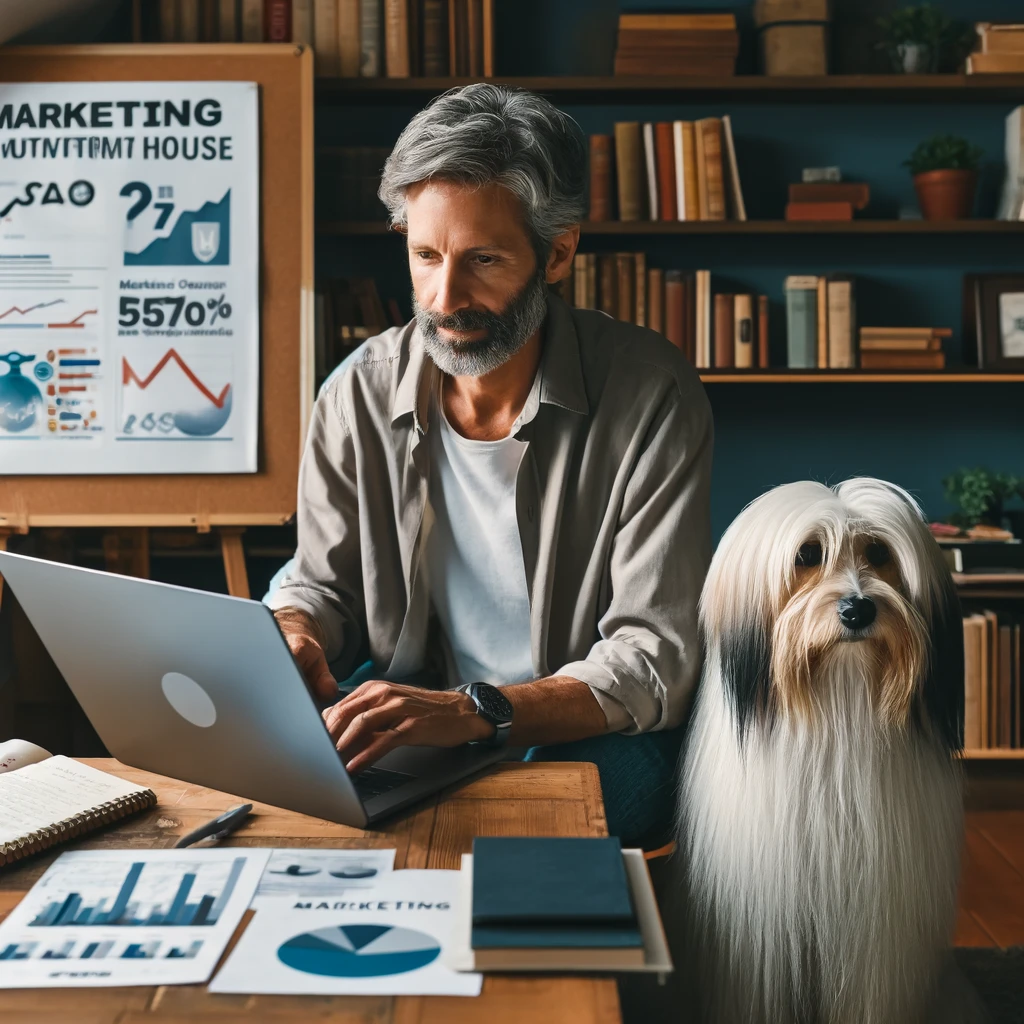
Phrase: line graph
[129,376]
[21,325]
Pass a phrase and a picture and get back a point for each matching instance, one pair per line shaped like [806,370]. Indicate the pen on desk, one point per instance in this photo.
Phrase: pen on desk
[218,828]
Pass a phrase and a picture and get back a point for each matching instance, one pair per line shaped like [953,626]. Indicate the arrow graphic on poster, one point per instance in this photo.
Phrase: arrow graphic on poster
[129,375]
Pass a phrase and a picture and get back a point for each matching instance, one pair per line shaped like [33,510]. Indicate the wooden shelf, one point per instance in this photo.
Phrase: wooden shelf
[993,754]
[743,227]
[782,376]
[697,88]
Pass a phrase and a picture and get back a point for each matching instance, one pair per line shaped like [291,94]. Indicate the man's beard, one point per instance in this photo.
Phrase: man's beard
[506,332]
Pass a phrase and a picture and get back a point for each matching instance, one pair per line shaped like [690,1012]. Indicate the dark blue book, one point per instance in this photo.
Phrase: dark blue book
[552,893]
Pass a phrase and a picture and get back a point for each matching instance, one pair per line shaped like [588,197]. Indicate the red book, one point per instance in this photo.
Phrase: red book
[277,20]
[674,303]
[819,211]
[724,331]
[763,359]
[665,159]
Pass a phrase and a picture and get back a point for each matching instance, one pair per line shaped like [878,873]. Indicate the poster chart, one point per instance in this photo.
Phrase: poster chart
[129,290]
[321,873]
[128,917]
[390,939]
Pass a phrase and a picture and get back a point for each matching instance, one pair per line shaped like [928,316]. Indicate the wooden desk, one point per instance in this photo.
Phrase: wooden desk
[557,799]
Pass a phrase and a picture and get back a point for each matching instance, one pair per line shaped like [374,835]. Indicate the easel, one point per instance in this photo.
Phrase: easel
[127,507]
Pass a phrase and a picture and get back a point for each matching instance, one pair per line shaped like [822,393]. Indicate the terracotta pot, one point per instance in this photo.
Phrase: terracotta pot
[946,194]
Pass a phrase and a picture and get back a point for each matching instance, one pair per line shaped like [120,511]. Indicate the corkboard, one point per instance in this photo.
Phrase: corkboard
[285,76]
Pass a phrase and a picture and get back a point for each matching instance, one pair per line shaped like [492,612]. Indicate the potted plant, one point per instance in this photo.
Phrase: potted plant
[981,495]
[945,170]
[920,39]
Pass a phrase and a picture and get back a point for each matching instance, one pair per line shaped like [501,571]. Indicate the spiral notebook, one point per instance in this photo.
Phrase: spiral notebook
[55,800]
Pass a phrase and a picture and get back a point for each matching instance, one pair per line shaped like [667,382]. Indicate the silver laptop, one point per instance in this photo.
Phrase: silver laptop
[202,687]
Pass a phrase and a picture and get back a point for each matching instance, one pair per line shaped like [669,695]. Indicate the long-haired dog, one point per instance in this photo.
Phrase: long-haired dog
[820,819]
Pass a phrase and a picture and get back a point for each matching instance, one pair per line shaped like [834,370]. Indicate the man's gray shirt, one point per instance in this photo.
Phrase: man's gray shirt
[612,502]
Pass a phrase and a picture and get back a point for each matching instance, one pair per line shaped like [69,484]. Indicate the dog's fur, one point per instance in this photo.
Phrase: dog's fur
[820,821]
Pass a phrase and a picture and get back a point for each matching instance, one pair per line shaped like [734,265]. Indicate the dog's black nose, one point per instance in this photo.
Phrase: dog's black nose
[856,612]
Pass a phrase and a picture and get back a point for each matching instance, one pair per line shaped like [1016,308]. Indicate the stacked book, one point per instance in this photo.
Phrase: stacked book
[669,171]
[827,200]
[821,313]
[1000,50]
[903,348]
[725,331]
[351,38]
[677,44]
[992,682]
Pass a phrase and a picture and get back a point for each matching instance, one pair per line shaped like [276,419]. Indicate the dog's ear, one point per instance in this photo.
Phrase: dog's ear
[943,691]
[745,655]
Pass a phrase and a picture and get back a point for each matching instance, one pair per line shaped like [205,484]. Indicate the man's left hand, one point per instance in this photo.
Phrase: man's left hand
[378,716]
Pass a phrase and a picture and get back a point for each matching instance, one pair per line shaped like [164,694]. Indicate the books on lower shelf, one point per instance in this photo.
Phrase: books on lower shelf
[992,681]
[677,44]
[821,317]
[666,171]
[350,38]
[903,348]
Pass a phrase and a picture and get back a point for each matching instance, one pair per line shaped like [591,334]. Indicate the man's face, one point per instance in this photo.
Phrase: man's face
[478,292]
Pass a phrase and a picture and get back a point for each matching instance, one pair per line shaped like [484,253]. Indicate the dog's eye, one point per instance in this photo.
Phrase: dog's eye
[809,554]
[877,554]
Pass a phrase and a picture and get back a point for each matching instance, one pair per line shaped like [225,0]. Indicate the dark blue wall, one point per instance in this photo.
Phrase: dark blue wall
[769,434]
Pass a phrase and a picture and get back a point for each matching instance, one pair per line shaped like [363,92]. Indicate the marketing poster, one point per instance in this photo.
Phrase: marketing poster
[129,292]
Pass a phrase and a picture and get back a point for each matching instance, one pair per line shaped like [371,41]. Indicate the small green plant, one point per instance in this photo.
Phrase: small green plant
[944,153]
[947,41]
[980,495]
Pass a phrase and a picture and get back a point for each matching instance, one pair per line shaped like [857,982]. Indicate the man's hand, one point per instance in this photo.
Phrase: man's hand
[305,641]
[377,717]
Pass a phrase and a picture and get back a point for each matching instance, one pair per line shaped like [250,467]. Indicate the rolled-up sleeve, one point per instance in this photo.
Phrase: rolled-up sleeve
[645,667]
[326,580]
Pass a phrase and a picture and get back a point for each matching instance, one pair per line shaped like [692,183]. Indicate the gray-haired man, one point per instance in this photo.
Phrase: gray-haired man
[507,490]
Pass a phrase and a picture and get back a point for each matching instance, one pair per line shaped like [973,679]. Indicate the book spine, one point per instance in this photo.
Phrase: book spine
[801,328]
[277,21]
[462,38]
[168,21]
[369,38]
[209,16]
[764,359]
[579,280]
[677,167]
[840,325]
[435,38]
[640,289]
[972,684]
[414,9]
[822,310]
[252,21]
[743,336]
[396,38]
[188,21]
[591,290]
[691,188]
[302,22]
[348,41]
[656,301]
[712,132]
[326,37]
[819,211]
[674,299]
[625,276]
[628,159]
[664,146]
[725,332]
[651,166]
[702,172]
[600,178]
[607,300]
[488,30]
[738,207]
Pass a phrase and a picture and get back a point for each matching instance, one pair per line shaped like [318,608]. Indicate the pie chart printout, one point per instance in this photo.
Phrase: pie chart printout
[359,951]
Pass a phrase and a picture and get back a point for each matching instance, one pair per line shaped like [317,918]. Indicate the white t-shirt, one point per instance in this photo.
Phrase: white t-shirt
[474,555]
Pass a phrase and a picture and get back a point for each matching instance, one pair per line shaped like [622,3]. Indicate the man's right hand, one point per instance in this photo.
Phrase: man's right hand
[305,641]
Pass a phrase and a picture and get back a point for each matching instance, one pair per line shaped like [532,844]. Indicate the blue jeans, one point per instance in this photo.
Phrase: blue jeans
[638,773]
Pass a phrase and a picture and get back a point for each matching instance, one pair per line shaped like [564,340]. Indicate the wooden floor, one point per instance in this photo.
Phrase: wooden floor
[992,887]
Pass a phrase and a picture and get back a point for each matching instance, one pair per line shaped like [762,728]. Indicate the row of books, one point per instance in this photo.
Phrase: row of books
[1000,49]
[351,38]
[713,331]
[992,681]
[669,171]
[677,44]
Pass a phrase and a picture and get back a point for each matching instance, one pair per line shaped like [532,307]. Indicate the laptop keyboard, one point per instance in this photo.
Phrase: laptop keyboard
[371,782]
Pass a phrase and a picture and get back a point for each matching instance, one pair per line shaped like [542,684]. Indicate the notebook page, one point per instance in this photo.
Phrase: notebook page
[42,794]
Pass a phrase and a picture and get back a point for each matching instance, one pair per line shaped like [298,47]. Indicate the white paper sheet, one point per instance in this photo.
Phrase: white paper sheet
[388,940]
[321,874]
[128,917]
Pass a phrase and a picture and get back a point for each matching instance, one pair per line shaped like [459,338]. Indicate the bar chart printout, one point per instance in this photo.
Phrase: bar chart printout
[124,917]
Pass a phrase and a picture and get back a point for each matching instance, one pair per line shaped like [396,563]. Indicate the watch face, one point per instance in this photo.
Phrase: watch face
[494,703]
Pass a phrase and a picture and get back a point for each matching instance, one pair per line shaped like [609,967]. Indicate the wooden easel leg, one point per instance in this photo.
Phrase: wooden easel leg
[126,551]
[234,560]
[4,534]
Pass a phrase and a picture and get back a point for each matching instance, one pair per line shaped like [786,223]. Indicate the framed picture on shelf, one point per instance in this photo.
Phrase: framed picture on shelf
[998,314]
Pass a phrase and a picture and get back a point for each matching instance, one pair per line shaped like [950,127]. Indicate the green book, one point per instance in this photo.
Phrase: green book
[802,322]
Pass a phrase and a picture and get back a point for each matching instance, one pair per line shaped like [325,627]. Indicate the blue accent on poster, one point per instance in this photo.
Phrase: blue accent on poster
[179,249]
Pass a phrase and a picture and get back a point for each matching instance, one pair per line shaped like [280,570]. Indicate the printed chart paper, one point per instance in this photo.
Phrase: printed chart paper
[320,873]
[388,940]
[129,290]
[128,917]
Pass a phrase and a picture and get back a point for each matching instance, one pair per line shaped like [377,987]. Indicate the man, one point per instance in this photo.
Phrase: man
[505,491]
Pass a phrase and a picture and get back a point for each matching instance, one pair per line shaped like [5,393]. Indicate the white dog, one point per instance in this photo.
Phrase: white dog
[821,818]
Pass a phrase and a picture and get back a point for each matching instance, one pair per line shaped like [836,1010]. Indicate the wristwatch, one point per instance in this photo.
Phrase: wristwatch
[493,707]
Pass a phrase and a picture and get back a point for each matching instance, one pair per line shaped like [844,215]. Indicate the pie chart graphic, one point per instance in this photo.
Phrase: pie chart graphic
[359,951]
